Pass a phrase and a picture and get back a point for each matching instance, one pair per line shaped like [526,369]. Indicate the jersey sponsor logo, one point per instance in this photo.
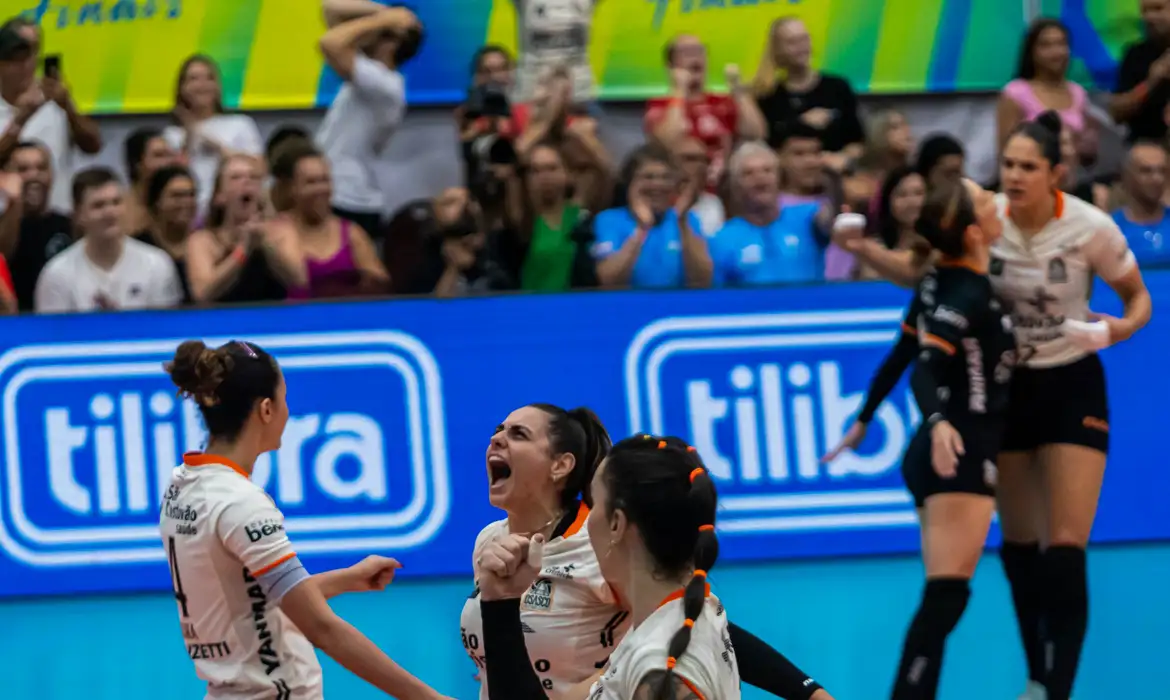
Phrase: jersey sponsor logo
[1057,272]
[92,433]
[266,652]
[260,529]
[976,381]
[540,596]
[762,397]
[562,571]
[950,316]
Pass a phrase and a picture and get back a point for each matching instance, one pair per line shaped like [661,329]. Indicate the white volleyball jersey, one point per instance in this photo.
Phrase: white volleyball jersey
[1049,277]
[708,667]
[570,616]
[220,532]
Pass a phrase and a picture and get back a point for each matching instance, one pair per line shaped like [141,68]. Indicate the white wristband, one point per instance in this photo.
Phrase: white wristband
[1087,335]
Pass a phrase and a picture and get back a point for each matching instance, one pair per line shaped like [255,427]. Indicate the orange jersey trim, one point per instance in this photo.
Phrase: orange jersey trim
[265,569]
[690,686]
[578,523]
[907,328]
[200,459]
[679,594]
[929,339]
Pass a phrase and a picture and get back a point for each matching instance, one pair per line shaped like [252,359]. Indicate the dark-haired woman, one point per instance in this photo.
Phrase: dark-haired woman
[552,251]
[899,203]
[540,462]
[653,534]
[961,384]
[204,133]
[1042,84]
[146,152]
[1052,461]
[237,258]
[170,204]
[337,255]
[238,571]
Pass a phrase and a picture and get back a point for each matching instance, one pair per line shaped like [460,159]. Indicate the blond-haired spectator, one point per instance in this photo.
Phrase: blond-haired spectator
[790,90]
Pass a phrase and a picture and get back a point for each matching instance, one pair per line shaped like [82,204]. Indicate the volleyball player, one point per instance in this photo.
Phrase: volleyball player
[653,533]
[249,612]
[539,462]
[1052,460]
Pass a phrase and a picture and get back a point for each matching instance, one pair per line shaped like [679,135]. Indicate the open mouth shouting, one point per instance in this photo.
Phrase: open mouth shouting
[499,472]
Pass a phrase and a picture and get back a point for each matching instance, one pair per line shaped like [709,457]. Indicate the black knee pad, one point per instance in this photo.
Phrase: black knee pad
[943,602]
[1020,560]
[1066,577]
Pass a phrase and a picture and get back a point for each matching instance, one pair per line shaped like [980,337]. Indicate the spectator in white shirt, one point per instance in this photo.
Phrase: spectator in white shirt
[105,270]
[367,53]
[205,134]
[40,111]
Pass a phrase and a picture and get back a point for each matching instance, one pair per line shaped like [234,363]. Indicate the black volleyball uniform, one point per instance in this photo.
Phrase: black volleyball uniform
[967,351]
[896,362]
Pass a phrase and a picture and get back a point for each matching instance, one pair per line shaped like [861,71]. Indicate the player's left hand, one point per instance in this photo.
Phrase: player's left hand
[373,573]
[508,566]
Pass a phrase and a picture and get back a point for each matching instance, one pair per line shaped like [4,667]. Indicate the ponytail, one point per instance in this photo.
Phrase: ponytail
[702,498]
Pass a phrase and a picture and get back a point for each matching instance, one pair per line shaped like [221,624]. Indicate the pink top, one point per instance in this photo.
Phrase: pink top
[1020,92]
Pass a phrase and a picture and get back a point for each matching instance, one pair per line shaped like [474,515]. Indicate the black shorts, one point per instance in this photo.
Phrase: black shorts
[1064,405]
[976,472]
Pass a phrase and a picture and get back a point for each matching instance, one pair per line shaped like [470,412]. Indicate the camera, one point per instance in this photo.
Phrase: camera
[482,154]
[488,100]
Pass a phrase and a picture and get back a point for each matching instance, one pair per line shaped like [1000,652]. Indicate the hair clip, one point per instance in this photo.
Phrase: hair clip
[247,349]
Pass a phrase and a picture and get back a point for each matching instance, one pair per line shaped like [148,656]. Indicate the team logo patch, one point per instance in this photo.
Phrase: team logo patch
[539,596]
[996,267]
[1057,272]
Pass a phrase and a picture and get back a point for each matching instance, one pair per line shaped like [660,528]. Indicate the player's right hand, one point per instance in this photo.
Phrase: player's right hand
[852,439]
[508,566]
[946,445]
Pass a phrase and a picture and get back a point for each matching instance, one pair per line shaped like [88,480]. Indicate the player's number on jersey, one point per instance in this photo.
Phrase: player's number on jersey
[176,579]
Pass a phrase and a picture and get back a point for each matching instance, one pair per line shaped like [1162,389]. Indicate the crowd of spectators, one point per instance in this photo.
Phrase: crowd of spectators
[732,188]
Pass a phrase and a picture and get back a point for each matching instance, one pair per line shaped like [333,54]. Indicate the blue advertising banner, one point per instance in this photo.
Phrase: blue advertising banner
[393,404]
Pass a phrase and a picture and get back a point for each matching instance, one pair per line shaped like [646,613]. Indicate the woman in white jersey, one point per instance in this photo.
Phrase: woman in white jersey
[540,462]
[653,531]
[1052,460]
[249,612]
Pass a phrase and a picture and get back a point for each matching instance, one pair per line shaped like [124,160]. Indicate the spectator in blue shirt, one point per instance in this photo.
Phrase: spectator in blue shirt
[768,244]
[1144,219]
[647,244]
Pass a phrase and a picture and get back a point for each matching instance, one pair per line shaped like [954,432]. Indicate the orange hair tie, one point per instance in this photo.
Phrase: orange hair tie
[706,528]
[691,448]
[662,444]
[699,573]
[688,622]
[670,662]
[695,473]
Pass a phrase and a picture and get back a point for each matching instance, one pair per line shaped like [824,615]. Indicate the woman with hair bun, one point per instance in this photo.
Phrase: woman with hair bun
[232,566]
[1052,460]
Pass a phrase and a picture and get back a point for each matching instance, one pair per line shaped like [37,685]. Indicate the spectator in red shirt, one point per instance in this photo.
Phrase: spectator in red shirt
[717,120]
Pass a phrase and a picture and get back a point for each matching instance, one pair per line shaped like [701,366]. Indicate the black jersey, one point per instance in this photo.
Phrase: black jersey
[966,347]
